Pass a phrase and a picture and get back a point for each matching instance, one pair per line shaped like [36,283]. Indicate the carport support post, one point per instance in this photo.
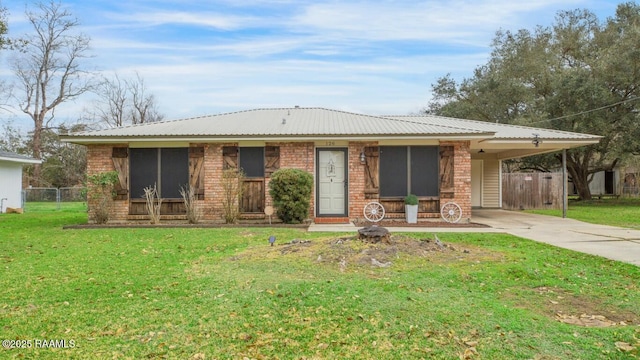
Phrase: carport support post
[564,183]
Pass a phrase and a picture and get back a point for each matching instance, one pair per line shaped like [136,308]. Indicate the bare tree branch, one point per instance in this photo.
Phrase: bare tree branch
[125,102]
[48,67]
[112,106]
[143,104]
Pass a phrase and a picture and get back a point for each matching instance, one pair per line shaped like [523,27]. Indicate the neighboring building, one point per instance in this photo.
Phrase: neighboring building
[11,178]
[603,183]
[619,181]
[354,159]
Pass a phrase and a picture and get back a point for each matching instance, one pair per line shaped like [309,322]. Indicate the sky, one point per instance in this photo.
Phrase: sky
[372,57]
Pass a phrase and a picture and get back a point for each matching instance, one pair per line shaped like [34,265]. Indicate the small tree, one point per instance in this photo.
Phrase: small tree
[101,193]
[190,203]
[290,190]
[154,202]
[232,194]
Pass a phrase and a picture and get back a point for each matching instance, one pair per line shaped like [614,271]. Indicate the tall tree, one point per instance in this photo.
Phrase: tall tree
[144,105]
[577,75]
[112,104]
[5,42]
[3,27]
[49,68]
[123,102]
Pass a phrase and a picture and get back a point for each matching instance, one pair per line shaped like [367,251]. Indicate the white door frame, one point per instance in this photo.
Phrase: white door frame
[345,209]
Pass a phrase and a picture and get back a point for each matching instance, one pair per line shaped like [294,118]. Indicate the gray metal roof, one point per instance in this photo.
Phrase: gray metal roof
[282,122]
[13,157]
[294,123]
[502,131]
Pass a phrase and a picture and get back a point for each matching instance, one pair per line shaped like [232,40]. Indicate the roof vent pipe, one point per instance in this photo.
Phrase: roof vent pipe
[284,121]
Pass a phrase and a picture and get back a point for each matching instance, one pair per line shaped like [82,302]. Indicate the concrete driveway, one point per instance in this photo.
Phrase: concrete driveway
[607,241]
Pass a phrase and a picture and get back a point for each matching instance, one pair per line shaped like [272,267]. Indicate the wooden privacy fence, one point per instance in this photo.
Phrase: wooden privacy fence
[522,191]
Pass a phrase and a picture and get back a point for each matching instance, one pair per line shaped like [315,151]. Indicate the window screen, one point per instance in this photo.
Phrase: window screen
[174,171]
[409,170]
[252,161]
[424,170]
[393,171]
[143,170]
[169,177]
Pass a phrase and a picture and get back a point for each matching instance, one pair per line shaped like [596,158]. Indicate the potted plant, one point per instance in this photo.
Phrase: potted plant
[411,208]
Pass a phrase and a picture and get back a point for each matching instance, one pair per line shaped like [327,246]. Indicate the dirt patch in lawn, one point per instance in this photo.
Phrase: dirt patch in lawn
[579,310]
[349,252]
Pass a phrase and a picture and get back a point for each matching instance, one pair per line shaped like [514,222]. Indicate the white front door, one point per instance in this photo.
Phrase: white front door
[476,183]
[332,182]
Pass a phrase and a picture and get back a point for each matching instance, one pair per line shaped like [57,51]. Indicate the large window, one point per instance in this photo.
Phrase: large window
[408,170]
[252,161]
[168,168]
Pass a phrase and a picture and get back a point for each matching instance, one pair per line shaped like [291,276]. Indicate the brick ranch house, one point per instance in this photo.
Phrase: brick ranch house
[354,159]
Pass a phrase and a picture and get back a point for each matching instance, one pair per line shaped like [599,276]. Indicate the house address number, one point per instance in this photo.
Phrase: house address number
[330,143]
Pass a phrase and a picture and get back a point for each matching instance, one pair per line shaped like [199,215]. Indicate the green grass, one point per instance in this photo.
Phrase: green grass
[225,293]
[624,212]
[47,206]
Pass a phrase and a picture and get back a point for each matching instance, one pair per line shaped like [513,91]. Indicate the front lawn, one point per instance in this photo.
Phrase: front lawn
[48,206]
[225,293]
[624,212]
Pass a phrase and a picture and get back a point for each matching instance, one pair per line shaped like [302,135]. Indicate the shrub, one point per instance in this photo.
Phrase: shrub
[101,193]
[290,190]
[411,200]
[191,204]
[154,203]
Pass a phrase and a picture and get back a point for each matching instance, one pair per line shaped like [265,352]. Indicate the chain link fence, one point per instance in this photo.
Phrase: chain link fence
[630,191]
[47,199]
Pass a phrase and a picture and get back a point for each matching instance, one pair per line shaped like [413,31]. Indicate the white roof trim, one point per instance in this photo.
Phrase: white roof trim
[21,160]
[116,140]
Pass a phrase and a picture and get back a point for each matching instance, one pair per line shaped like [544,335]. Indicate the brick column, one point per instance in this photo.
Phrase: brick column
[462,177]
[98,161]
[213,191]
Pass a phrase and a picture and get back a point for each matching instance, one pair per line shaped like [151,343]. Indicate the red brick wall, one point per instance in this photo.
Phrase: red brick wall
[99,160]
[292,155]
[213,192]
[357,199]
[461,177]
[297,156]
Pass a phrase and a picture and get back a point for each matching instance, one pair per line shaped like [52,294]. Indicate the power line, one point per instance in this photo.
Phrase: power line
[588,111]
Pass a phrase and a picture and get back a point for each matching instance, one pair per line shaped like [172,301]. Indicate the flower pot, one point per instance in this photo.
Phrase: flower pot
[411,213]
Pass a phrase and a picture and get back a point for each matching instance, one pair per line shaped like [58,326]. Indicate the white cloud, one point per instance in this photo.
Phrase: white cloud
[450,21]
[377,57]
[160,18]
